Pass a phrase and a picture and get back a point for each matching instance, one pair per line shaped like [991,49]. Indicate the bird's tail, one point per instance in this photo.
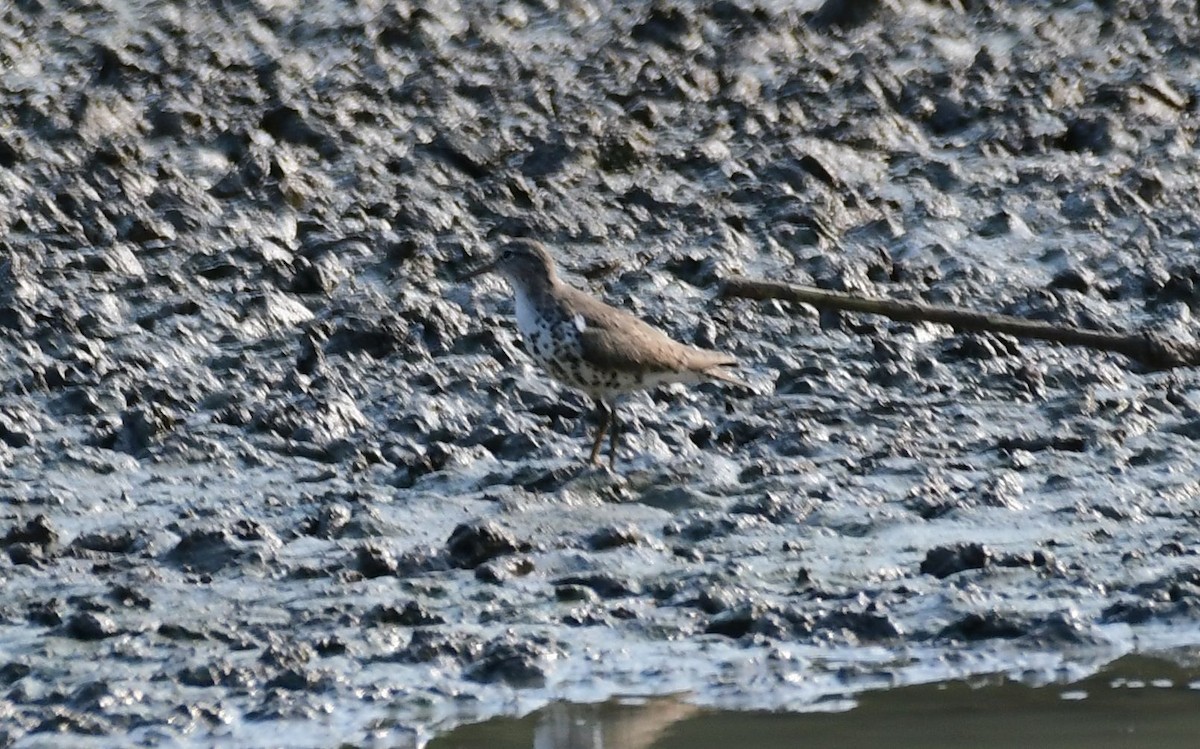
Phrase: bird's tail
[721,372]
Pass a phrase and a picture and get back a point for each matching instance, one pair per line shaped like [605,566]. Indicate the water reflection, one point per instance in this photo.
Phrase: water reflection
[1136,702]
[607,726]
[621,724]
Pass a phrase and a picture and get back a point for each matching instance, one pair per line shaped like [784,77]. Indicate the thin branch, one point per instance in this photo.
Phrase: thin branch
[1148,350]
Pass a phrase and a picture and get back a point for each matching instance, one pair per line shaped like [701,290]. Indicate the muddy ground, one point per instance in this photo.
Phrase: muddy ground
[272,476]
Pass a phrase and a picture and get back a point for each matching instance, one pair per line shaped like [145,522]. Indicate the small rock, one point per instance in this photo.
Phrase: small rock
[991,625]
[208,675]
[122,542]
[497,571]
[329,523]
[1003,224]
[472,544]
[287,654]
[373,561]
[66,722]
[517,662]
[668,27]
[947,560]
[735,622]
[180,632]
[1033,559]
[1094,135]
[129,597]
[206,551]
[1063,628]
[844,14]
[1074,280]
[143,427]
[575,594]
[1125,612]
[118,259]
[700,529]
[612,536]
[605,585]
[412,615]
[26,554]
[429,645]
[38,531]
[286,123]
[12,671]
[295,680]
[714,600]
[330,646]
[91,625]
[868,626]
[45,613]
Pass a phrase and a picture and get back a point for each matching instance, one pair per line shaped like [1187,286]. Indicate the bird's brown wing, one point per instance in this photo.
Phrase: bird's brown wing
[614,339]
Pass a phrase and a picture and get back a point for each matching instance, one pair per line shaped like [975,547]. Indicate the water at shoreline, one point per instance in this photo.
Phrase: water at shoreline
[1137,702]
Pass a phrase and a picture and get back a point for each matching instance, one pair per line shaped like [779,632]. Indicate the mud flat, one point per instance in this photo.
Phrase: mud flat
[270,475]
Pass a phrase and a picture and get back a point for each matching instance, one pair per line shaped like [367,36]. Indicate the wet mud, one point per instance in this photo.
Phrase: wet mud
[269,474]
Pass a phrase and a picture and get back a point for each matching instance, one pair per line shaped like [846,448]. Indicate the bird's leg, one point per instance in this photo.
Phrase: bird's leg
[614,428]
[604,418]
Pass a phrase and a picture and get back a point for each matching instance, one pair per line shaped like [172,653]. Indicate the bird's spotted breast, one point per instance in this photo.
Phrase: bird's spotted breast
[553,338]
[557,348]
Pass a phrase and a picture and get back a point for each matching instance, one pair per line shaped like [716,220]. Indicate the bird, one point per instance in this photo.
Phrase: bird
[593,347]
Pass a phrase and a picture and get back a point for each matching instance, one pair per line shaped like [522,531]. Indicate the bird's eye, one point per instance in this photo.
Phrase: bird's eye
[507,253]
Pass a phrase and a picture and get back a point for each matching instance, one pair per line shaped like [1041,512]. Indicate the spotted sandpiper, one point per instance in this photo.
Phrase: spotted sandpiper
[593,347]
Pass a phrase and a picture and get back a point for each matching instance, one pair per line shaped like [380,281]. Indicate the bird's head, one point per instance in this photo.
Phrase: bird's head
[524,262]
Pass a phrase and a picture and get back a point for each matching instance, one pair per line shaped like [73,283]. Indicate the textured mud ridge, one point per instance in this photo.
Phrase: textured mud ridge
[270,475]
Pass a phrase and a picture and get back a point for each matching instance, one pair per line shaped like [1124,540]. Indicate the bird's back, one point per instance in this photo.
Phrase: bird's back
[613,340]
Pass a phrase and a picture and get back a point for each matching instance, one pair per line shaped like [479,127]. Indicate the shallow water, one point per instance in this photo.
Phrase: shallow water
[1137,702]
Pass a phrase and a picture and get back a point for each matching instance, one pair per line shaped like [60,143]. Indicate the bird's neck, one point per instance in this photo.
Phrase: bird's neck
[536,304]
[537,286]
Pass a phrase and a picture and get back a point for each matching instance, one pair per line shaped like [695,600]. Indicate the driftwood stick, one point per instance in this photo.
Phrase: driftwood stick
[1148,350]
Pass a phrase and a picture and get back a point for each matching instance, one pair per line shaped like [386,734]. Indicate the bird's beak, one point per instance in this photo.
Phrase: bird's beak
[478,270]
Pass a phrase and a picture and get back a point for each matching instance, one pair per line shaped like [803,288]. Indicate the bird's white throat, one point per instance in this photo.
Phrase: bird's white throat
[527,316]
